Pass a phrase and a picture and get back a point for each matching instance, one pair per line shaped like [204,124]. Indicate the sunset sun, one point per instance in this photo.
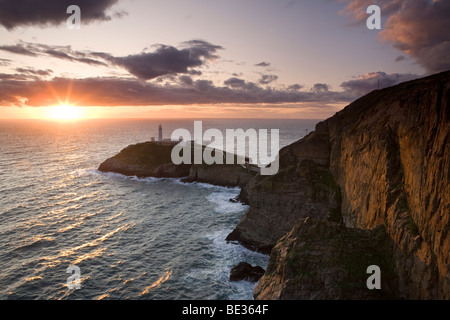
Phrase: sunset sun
[65,112]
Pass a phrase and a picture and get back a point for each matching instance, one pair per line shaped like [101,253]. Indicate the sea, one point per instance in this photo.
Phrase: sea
[68,231]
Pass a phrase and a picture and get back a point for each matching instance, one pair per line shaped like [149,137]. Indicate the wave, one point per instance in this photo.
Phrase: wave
[36,242]
[179,181]
[223,203]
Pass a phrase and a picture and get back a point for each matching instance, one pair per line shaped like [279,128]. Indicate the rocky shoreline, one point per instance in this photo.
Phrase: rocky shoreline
[370,186]
[153,159]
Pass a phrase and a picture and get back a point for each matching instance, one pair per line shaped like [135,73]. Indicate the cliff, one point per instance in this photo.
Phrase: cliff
[382,162]
[153,159]
[325,260]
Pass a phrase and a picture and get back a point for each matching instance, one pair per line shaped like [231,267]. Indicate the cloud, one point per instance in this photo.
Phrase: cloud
[263,64]
[186,80]
[131,92]
[35,72]
[113,91]
[295,87]
[235,83]
[320,87]
[400,58]
[14,13]
[60,52]
[421,30]
[26,74]
[267,78]
[20,48]
[5,62]
[164,60]
[375,80]
[418,28]
[168,59]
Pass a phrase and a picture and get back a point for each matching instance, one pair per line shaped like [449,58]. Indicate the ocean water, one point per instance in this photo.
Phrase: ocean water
[131,238]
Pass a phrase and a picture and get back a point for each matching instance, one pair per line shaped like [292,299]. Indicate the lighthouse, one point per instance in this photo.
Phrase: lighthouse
[160,135]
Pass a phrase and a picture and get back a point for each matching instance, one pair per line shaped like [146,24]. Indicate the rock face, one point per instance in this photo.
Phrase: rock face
[277,202]
[325,260]
[148,159]
[153,159]
[222,175]
[247,272]
[384,161]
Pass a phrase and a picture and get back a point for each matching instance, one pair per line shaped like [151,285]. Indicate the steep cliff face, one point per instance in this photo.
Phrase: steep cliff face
[390,156]
[325,260]
[388,153]
[277,202]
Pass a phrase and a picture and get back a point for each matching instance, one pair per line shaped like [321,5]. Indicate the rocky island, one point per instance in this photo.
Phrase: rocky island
[370,186]
[153,159]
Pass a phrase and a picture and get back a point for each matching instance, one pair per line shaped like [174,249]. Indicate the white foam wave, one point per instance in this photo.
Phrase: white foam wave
[205,185]
[223,203]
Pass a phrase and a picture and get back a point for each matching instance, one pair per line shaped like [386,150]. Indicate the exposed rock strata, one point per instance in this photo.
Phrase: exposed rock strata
[325,260]
[388,154]
[277,202]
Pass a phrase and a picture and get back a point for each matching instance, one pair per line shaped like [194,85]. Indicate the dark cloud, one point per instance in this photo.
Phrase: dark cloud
[120,91]
[14,13]
[201,48]
[14,89]
[18,77]
[267,78]
[320,87]
[20,48]
[165,60]
[400,58]
[295,87]
[66,53]
[235,83]
[193,72]
[263,64]
[26,74]
[60,52]
[186,80]
[375,80]
[418,28]
[421,30]
[32,71]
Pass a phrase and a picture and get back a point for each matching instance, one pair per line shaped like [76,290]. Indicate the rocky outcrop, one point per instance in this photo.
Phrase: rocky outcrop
[325,260]
[148,159]
[246,272]
[277,202]
[222,175]
[153,159]
[387,154]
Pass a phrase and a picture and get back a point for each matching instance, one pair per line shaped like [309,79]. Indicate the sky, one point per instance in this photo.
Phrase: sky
[211,58]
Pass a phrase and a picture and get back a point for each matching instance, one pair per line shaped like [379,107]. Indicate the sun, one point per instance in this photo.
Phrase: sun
[65,112]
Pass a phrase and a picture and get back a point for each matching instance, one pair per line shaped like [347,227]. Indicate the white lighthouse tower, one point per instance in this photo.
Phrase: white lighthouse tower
[160,135]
